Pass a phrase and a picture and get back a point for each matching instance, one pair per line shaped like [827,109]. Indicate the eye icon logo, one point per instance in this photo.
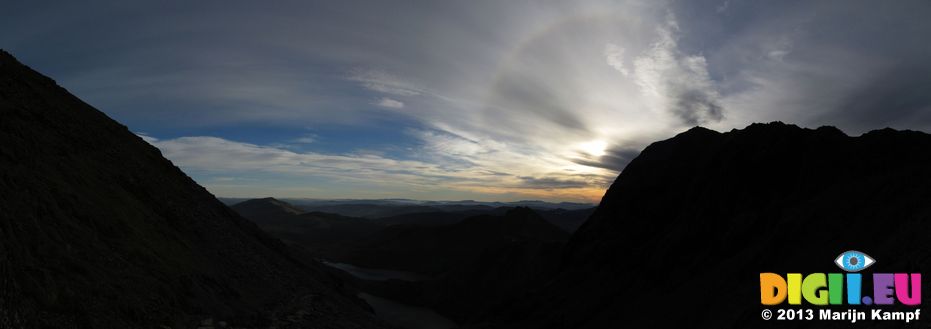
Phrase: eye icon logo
[853,261]
[850,288]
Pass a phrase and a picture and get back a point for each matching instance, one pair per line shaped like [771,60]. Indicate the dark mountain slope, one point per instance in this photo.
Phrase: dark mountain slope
[680,238]
[98,230]
[568,220]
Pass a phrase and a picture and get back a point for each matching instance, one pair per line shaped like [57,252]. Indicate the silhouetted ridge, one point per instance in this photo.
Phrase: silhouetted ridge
[680,237]
[265,207]
[100,231]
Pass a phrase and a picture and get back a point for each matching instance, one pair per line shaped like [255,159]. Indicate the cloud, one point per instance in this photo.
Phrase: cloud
[677,82]
[723,6]
[390,103]
[889,98]
[795,63]
[383,82]
[614,55]
[309,139]
[561,182]
[450,162]
[220,155]
[614,159]
[452,145]
[147,138]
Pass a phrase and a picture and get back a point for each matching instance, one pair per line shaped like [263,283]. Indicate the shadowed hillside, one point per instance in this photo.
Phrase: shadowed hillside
[100,231]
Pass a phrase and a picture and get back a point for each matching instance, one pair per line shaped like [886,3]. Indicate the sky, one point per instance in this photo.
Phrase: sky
[481,99]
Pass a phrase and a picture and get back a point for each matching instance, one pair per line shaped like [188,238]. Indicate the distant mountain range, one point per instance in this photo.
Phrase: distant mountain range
[307,227]
[321,231]
[315,231]
[377,208]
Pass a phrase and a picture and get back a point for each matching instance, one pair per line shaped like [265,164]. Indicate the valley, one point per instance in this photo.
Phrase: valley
[462,265]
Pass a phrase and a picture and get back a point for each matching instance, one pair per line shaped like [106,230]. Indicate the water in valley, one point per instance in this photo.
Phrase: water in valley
[406,316]
[377,274]
[393,312]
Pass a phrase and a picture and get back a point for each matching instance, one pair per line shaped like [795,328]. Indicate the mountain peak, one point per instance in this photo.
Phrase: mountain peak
[699,130]
[521,211]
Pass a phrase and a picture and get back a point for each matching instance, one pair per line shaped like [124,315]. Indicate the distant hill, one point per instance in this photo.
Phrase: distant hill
[100,231]
[681,235]
[315,231]
[266,208]
[371,211]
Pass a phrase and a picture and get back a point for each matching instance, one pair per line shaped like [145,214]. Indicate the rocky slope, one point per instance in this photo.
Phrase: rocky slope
[98,230]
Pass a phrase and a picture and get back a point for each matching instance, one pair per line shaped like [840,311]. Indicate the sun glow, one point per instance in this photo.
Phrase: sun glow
[595,148]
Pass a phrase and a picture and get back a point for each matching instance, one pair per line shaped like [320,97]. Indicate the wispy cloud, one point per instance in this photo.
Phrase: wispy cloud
[383,82]
[614,55]
[390,103]
[225,158]
[677,82]
[307,139]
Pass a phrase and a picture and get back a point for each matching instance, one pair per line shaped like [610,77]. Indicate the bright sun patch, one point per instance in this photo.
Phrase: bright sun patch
[594,148]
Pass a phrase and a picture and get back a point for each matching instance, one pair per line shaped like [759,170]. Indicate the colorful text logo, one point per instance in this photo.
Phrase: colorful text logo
[830,288]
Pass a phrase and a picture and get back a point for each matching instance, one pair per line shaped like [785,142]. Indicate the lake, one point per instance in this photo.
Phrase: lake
[377,274]
[407,316]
